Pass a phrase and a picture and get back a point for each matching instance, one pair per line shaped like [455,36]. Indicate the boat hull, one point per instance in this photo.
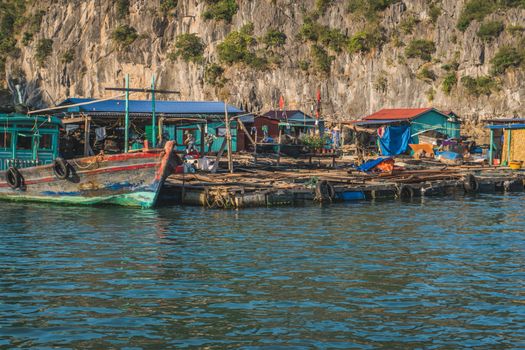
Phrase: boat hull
[131,179]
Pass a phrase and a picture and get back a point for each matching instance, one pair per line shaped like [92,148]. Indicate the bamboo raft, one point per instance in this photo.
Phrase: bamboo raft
[296,184]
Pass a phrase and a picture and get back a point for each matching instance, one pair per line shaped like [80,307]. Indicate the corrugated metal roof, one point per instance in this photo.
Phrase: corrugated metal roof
[506,126]
[144,106]
[397,113]
[505,120]
[377,122]
[294,114]
[24,118]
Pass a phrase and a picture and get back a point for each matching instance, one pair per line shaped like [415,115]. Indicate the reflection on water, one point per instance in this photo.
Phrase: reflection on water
[438,274]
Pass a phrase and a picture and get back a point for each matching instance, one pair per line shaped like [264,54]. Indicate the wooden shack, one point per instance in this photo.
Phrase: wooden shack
[507,141]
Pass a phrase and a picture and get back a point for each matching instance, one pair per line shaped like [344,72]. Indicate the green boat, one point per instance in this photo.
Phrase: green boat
[34,171]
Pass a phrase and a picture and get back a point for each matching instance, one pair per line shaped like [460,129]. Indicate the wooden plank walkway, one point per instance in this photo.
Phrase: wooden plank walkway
[296,184]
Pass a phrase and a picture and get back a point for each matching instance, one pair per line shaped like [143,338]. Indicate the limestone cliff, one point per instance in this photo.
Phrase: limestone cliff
[84,55]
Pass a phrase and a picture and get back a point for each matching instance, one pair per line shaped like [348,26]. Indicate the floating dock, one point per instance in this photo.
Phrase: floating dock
[298,184]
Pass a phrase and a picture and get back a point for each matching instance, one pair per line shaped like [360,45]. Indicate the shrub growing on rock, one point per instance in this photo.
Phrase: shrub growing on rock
[214,75]
[122,8]
[44,48]
[366,40]
[189,47]
[168,5]
[420,48]
[221,10]
[483,85]
[322,60]
[507,57]
[124,35]
[368,8]
[235,47]
[474,10]
[490,30]
[449,82]
[274,38]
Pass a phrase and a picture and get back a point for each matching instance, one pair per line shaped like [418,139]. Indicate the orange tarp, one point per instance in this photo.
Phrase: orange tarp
[425,147]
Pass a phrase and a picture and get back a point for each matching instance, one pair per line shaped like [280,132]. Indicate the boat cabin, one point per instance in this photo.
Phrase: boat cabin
[27,141]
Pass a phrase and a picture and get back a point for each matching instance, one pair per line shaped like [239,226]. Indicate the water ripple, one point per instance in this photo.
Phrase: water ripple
[432,274]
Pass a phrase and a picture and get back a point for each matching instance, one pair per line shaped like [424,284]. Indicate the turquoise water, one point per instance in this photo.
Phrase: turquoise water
[437,274]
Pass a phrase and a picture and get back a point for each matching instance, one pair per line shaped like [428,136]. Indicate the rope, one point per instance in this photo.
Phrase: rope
[220,198]
[97,160]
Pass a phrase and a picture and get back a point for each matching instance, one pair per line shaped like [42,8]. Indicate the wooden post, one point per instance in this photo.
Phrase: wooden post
[243,127]
[126,121]
[491,147]
[87,128]
[255,148]
[228,138]
[219,155]
[203,150]
[509,140]
[160,127]
[279,147]
[153,116]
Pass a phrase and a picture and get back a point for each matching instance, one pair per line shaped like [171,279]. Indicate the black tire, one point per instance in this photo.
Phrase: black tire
[13,178]
[470,184]
[405,192]
[325,191]
[61,169]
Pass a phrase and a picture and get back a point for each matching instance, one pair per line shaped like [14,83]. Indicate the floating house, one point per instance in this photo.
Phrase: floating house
[290,122]
[507,141]
[296,119]
[400,126]
[27,141]
[175,119]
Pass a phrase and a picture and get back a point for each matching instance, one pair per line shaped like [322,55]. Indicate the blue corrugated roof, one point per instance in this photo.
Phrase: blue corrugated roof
[144,106]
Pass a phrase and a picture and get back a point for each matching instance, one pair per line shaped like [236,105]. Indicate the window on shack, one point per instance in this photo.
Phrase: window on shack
[5,140]
[221,131]
[24,142]
[45,142]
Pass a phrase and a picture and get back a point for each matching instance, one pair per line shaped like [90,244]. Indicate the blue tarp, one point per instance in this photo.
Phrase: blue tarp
[371,164]
[449,155]
[395,140]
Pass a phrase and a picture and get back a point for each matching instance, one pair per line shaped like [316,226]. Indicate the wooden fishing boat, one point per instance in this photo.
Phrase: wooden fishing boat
[33,171]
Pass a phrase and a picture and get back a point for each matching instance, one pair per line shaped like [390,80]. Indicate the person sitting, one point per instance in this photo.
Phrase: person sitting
[190,143]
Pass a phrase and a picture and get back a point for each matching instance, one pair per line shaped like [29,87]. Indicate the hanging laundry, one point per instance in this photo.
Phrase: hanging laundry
[100,134]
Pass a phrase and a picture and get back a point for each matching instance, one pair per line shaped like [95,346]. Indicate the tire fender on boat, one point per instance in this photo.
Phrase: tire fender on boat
[405,192]
[61,168]
[324,191]
[470,183]
[13,178]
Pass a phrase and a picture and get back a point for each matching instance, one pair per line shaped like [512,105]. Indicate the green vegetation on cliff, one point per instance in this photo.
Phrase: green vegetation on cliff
[490,30]
[122,8]
[449,82]
[221,10]
[189,47]
[420,48]
[274,38]
[11,17]
[214,75]
[124,35]
[477,10]
[239,47]
[44,48]
[368,8]
[507,57]
[483,85]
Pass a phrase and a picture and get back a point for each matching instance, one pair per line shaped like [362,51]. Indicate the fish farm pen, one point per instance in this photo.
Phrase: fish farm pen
[294,182]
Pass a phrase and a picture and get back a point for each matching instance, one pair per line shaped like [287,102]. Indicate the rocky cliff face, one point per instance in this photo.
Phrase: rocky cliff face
[85,57]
